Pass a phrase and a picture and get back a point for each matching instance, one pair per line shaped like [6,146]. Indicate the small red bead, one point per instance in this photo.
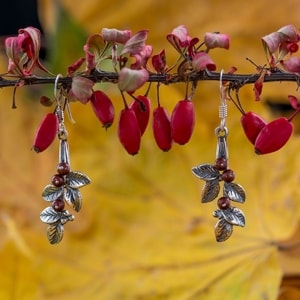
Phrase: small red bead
[58,204]
[58,180]
[221,163]
[228,175]
[63,168]
[223,203]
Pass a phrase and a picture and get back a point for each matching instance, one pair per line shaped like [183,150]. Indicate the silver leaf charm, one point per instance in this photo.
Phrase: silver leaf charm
[55,233]
[49,215]
[223,230]
[210,190]
[206,172]
[51,192]
[73,198]
[234,192]
[77,179]
[232,215]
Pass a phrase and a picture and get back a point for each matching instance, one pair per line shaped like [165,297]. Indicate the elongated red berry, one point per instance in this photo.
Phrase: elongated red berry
[161,127]
[273,136]
[46,133]
[141,107]
[129,132]
[103,108]
[252,125]
[183,121]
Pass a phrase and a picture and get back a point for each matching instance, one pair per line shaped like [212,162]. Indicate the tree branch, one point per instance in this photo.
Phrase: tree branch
[237,80]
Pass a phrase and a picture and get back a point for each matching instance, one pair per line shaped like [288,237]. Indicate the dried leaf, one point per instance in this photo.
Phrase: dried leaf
[210,190]
[55,233]
[223,230]
[51,192]
[206,172]
[73,198]
[49,215]
[77,179]
[234,192]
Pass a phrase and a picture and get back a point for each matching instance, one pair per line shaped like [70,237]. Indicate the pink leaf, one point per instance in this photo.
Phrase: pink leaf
[216,40]
[75,66]
[271,41]
[116,36]
[130,80]
[290,33]
[291,64]
[142,58]
[202,61]
[159,62]
[179,37]
[136,43]
[81,89]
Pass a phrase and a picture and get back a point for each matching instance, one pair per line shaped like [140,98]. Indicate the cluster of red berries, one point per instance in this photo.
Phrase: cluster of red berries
[267,137]
[134,119]
[59,180]
[227,175]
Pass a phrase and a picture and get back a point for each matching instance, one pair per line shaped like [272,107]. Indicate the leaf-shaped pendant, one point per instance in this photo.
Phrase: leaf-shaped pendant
[234,192]
[223,230]
[55,233]
[232,215]
[77,179]
[206,172]
[73,198]
[49,215]
[210,190]
[51,192]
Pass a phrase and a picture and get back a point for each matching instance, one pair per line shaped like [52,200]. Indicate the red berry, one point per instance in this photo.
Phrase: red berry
[183,121]
[221,164]
[228,175]
[223,202]
[46,133]
[129,131]
[252,125]
[103,108]
[273,136]
[63,168]
[58,204]
[141,107]
[161,127]
[58,180]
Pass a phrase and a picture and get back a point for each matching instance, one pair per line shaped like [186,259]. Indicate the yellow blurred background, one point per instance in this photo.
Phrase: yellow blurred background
[142,232]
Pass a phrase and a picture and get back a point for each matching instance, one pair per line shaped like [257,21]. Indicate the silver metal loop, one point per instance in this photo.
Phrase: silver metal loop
[223,105]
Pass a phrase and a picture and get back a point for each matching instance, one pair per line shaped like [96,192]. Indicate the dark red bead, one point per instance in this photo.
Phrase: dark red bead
[58,180]
[223,203]
[221,164]
[228,175]
[58,204]
[63,168]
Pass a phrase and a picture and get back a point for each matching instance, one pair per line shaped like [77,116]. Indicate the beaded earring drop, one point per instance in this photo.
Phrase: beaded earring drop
[219,172]
[65,184]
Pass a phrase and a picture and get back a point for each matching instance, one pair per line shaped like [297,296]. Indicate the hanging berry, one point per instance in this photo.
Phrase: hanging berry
[161,127]
[103,108]
[274,136]
[183,121]
[141,107]
[129,131]
[252,125]
[46,133]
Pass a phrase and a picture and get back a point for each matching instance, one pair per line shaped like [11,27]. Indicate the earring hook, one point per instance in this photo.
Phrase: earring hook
[223,105]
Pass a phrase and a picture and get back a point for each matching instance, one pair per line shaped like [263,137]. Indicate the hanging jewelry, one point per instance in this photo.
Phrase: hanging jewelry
[219,172]
[65,184]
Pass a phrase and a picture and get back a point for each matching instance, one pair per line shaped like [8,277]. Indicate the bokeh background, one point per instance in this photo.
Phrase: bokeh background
[142,232]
